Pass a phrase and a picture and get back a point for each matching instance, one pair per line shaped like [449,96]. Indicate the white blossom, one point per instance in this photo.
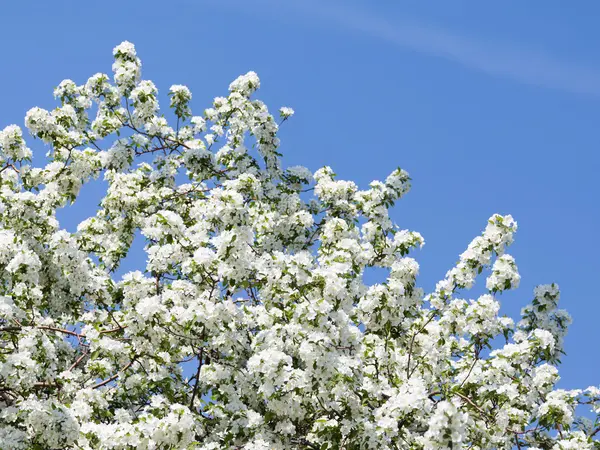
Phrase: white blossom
[252,323]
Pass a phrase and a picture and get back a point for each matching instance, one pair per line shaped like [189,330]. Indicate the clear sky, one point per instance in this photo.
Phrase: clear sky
[491,107]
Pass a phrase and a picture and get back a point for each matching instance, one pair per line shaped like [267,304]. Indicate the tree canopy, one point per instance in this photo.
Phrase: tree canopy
[252,325]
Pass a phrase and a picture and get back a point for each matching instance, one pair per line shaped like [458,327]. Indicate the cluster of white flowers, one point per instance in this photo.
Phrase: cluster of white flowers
[180,98]
[251,325]
[504,274]
[127,67]
[12,145]
[286,112]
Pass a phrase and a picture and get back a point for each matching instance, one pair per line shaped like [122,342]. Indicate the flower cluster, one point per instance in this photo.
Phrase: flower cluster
[251,325]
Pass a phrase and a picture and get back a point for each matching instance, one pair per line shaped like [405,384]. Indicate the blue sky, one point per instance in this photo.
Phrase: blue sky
[490,107]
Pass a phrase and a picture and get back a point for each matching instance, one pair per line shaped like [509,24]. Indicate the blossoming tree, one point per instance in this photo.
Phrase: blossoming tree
[251,325]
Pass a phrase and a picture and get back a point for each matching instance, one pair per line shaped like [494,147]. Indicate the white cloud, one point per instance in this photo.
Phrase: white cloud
[504,60]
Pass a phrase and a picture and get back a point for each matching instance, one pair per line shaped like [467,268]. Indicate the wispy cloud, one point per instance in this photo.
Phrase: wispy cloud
[498,59]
